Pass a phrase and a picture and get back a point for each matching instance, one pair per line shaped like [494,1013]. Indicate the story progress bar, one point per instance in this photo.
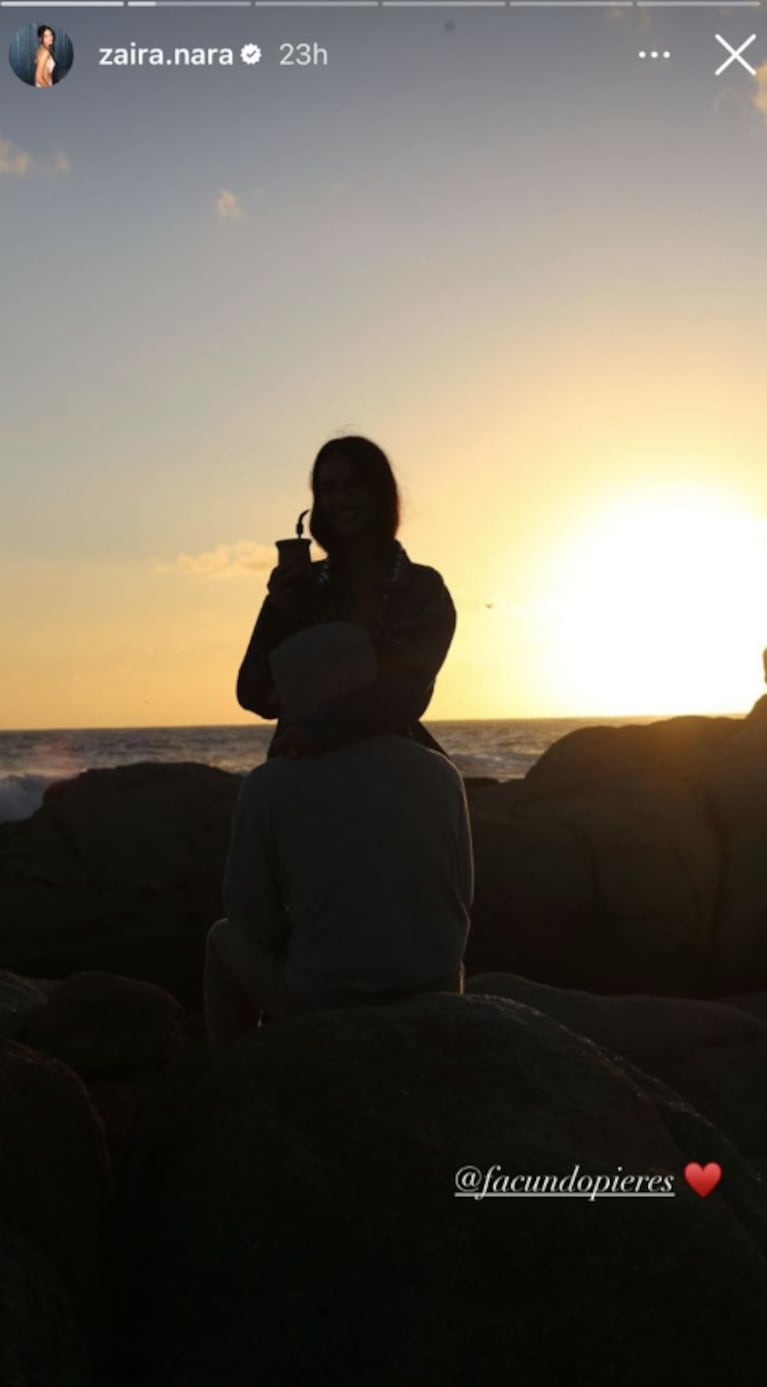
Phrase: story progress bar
[383,4]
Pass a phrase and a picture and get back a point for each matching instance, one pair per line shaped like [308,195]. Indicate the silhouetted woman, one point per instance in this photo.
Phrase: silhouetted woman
[44,59]
[368,579]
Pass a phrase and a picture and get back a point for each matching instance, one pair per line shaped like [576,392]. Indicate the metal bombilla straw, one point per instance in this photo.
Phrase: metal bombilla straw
[300,524]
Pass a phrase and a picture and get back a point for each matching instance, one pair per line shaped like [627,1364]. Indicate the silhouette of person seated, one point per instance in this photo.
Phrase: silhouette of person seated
[350,874]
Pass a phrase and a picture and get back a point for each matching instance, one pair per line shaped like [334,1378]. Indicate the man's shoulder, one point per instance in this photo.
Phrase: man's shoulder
[437,763]
[258,785]
[431,764]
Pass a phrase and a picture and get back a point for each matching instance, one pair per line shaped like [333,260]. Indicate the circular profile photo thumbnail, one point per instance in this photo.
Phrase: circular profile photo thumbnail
[41,54]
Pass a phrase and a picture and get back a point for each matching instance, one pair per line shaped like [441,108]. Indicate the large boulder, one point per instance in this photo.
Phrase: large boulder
[120,871]
[55,1178]
[612,885]
[292,1216]
[714,1053]
[733,779]
[101,1024]
[146,826]
[20,998]
[671,747]
[630,859]
[41,1342]
[121,1102]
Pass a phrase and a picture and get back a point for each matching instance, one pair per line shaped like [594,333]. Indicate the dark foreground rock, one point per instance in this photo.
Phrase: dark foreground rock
[286,1214]
[733,782]
[714,1053]
[20,998]
[630,859]
[41,1343]
[99,1024]
[118,871]
[54,1170]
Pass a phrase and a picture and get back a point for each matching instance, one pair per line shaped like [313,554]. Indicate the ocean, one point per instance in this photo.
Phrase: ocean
[29,761]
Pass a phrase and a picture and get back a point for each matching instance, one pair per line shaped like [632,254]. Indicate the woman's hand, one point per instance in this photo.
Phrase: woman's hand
[287,587]
[294,741]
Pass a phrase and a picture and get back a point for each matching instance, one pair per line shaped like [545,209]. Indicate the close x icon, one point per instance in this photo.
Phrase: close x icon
[736,55]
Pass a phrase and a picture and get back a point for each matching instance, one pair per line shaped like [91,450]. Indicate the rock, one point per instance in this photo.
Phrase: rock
[755,1003]
[673,747]
[142,827]
[19,999]
[290,1217]
[734,781]
[196,1028]
[119,1103]
[714,1053]
[120,871]
[45,985]
[172,1087]
[101,1024]
[41,1343]
[613,887]
[54,1169]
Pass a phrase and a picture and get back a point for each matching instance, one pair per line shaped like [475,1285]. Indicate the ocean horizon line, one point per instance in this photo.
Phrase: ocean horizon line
[435,722]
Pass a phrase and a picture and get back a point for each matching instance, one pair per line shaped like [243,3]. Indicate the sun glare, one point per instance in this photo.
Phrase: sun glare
[658,605]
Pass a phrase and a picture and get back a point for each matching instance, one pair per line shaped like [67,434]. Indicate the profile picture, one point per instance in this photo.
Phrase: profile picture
[41,54]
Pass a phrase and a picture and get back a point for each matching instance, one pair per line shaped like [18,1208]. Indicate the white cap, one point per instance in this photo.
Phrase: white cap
[320,664]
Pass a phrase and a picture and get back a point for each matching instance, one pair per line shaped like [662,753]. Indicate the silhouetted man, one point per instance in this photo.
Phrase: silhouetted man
[350,874]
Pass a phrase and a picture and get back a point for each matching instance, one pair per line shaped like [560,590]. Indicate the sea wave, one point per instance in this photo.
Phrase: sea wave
[22,794]
[507,766]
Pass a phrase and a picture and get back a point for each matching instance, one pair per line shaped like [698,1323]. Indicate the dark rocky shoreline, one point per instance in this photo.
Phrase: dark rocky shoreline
[628,859]
[286,1212]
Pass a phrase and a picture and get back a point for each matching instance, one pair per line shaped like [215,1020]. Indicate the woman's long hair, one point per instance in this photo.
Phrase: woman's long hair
[41,30]
[372,467]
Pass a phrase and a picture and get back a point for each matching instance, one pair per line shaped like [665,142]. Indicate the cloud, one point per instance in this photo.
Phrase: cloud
[19,163]
[13,160]
[228,206]
[226,561]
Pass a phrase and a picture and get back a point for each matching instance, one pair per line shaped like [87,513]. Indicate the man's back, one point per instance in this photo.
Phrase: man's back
[371,846]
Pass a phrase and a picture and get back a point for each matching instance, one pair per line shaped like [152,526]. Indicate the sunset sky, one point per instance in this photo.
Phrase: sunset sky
[528,264]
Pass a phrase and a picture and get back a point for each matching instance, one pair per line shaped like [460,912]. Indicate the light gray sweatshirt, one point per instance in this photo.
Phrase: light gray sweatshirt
[361,858]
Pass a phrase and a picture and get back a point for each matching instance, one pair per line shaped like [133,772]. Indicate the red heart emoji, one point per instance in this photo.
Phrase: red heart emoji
[703,1179]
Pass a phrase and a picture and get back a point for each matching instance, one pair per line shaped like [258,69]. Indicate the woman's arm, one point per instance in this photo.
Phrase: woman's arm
[405,684]
[40,62]
[255,686]
[286,609]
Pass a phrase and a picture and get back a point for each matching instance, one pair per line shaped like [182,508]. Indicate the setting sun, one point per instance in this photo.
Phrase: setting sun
[658,604]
